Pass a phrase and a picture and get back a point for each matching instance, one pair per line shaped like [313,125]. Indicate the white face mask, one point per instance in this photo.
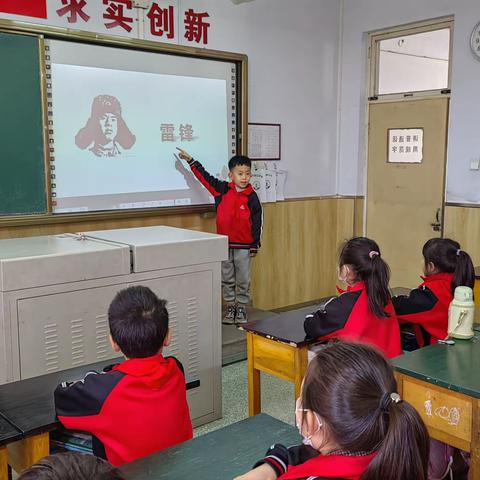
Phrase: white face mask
[306,440]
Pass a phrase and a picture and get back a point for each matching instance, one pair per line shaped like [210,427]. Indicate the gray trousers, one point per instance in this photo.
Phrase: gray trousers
[236,276]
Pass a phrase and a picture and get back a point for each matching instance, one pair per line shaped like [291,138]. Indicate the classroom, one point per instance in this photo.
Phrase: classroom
[238,239]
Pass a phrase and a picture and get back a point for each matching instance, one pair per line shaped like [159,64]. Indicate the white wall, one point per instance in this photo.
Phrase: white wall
[293,64]
[292,51]
[464,140]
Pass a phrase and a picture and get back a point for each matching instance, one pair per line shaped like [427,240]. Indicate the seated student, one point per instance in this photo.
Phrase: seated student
[71,466]
[353,423]
[446,267]
[364,312]
[139,406]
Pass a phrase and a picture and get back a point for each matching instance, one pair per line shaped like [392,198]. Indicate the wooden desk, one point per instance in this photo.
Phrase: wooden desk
[278,346]
[8,434]
[222,454]
[442,382]
[29,406]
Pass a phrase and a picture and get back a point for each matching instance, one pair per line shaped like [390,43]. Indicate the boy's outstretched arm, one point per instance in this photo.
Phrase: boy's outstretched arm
[215,186]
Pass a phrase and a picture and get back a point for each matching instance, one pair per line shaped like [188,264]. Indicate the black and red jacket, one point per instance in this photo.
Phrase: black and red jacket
[137,408]
[239,213]
[349,317]
[427,308]
[305,463]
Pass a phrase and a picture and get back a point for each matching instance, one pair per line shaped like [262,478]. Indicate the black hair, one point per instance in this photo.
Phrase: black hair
[138,322]
[363,255]
[447,256]
[349,386]
[71,466]
[239,161]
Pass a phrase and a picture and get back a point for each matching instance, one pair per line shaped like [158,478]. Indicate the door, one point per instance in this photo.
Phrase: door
[405,200]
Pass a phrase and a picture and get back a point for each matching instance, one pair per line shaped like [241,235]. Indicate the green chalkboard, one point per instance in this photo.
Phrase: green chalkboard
[22,177]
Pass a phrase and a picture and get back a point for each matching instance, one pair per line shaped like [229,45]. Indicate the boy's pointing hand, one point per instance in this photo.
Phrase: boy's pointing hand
[184,155]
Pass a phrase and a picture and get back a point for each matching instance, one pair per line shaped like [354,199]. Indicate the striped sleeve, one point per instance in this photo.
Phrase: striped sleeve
[280,457]
[215,186]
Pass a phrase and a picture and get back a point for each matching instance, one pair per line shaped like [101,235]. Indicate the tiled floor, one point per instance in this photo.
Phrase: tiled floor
[234,344]
[277,395]
[277,398]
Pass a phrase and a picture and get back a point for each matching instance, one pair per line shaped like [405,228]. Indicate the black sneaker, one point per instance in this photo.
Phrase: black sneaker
[229,318]
[241,314]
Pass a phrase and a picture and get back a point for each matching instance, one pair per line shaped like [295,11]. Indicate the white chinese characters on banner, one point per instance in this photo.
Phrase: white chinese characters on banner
[405,145]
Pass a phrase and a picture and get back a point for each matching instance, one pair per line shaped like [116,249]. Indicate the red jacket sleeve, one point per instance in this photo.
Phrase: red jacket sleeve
[215,186]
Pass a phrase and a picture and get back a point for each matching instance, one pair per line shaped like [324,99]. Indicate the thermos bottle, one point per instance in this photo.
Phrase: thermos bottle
[461,314]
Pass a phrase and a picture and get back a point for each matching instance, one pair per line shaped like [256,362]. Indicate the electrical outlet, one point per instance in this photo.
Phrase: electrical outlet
[475,164]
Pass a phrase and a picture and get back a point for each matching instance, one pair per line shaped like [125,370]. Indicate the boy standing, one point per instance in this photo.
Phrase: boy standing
[138,407]
[239,216]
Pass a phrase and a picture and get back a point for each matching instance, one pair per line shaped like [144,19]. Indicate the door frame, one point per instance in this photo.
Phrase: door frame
[370,96]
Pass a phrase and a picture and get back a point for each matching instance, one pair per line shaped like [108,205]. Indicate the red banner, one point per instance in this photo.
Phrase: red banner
[28,8]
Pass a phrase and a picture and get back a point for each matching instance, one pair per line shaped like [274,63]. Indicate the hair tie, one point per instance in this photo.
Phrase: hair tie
[373,253]
[388,399]
[458,253]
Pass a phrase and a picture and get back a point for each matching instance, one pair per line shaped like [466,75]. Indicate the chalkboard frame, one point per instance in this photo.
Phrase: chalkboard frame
[50,32]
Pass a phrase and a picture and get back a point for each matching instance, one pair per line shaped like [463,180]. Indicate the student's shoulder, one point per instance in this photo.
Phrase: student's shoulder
[92,379]
[177,362]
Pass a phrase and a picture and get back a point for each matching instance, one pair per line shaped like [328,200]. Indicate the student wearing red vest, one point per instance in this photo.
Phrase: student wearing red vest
[139,406]
[353,423]
[363,312]
[446,266]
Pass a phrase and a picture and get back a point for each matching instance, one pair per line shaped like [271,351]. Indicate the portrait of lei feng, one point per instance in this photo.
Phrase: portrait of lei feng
[105,131]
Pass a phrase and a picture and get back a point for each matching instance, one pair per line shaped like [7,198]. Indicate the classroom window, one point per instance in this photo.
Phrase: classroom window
[411,61]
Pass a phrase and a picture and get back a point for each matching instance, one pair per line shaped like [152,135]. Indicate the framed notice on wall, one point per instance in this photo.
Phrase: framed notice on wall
[264,141]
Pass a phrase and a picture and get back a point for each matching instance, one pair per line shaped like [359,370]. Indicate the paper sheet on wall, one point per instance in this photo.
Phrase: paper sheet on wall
[280,187]
[264,141]
[271,185]
[258,180]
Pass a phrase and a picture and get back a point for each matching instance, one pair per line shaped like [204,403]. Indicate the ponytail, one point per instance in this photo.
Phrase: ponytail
[447,257]
[404,451]
[363,255]
[464,273]
[377,287]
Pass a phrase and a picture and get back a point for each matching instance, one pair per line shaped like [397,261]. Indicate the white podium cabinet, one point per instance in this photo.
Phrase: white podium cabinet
[55,291]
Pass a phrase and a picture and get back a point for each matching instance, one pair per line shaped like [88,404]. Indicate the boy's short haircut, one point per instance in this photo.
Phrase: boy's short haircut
[239,161]
[71,466]
[138,322]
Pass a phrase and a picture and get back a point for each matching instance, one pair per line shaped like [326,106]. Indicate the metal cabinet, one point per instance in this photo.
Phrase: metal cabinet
[55,292]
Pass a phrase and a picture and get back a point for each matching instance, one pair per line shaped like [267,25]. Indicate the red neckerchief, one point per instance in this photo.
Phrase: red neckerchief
[447,277]
[352,288]
[332,466]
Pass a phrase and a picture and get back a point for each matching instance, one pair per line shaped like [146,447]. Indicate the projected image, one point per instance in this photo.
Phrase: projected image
[105,131]
[115,136]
